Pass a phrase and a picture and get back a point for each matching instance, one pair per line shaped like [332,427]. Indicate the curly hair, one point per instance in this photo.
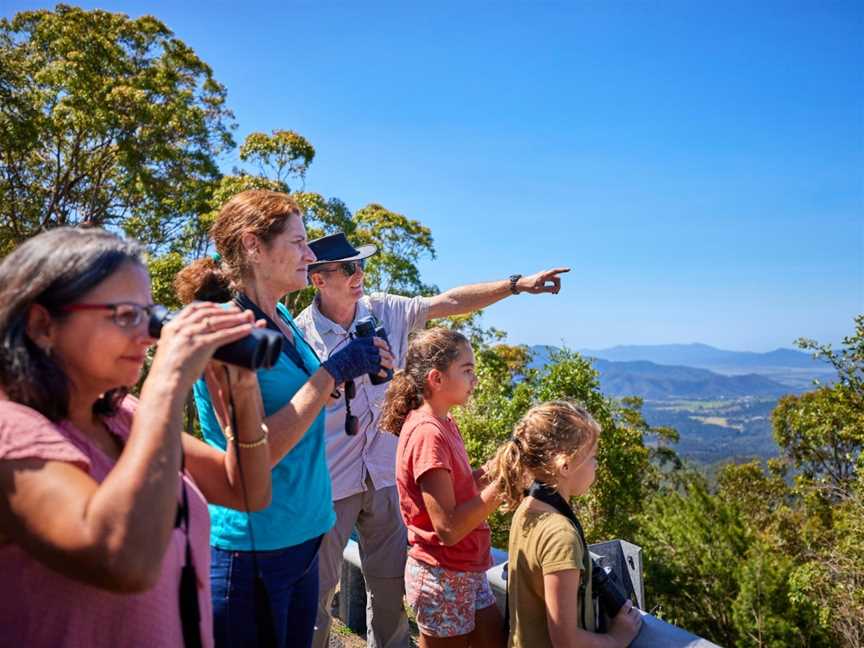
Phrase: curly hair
[435,348]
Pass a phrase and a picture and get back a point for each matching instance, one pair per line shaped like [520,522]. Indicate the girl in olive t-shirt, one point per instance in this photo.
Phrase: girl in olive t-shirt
[549,578]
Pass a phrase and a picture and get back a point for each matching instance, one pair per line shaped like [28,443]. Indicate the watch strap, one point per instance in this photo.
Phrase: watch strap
[514,278]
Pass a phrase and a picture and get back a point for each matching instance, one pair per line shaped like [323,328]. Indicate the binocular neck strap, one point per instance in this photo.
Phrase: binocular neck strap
[548,495]
[289,349]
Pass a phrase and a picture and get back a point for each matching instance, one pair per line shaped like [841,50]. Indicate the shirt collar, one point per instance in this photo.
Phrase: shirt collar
[325,325]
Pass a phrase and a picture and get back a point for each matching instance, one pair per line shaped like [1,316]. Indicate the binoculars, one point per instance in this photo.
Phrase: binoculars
[258,350]
[369,327]
[609,591]
[366,327]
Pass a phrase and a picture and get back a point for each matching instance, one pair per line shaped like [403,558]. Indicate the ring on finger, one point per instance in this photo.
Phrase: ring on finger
[207,324]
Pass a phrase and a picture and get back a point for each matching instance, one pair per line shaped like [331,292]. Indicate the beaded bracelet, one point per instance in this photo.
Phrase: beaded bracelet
[252,444]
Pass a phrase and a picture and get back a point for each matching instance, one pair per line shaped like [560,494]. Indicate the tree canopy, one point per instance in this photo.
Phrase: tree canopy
[107,121]
[773,555]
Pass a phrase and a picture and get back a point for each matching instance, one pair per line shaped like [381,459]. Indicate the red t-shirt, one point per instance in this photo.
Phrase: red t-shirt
[427,443]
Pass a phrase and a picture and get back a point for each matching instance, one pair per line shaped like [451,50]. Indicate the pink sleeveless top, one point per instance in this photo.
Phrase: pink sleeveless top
[39,607]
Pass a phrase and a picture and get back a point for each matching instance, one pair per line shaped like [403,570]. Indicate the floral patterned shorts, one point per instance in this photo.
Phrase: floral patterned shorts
[444,601]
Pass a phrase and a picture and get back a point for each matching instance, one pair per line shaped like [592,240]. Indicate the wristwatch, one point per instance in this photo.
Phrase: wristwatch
[513,280]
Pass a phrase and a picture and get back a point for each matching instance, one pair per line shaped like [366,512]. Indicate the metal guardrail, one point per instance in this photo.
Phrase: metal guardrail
[625,558]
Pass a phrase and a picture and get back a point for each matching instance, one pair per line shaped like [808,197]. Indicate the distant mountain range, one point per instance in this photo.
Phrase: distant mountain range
[704,356]
[697,371]
[664,382]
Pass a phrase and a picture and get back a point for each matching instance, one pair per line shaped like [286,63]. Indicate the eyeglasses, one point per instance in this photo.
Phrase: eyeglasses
[348,268]
[126,315]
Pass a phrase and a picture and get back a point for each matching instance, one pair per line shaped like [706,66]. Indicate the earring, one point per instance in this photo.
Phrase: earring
[47,350]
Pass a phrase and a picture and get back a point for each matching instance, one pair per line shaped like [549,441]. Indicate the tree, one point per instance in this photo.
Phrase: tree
[822,432]
[281,155]
[767,560]
[401,243]
[711,566]
[105,121]
[284,156]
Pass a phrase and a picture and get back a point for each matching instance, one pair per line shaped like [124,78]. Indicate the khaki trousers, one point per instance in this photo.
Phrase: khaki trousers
[383,547]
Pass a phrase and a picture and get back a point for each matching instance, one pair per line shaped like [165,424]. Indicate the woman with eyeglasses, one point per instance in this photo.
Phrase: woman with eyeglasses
[263,255]
[103,519]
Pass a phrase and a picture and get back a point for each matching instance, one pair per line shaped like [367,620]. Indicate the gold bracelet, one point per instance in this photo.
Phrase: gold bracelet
[265,432]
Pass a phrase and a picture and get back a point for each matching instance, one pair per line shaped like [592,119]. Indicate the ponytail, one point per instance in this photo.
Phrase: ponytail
[203,280]
[402,397]
[508,471]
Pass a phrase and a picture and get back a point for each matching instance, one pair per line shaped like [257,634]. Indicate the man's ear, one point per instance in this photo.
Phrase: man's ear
[316,279]
[40,327]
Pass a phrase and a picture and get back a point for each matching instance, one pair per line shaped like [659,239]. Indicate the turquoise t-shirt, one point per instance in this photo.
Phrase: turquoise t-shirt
[302,506]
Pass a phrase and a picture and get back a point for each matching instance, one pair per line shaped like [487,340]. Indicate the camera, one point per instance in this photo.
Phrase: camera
[258,350]
[369,327]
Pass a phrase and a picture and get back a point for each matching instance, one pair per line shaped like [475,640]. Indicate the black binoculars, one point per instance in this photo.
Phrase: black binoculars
[366,327]
[258,350]
[609,591]
[369,327]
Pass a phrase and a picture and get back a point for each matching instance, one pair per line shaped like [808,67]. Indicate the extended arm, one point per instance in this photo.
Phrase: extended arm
[466,299]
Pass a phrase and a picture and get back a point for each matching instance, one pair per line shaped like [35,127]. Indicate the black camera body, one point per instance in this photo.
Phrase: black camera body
[370,327]
[258,350]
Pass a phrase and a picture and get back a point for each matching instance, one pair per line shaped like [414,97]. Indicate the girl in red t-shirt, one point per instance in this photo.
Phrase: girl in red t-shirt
[444,503]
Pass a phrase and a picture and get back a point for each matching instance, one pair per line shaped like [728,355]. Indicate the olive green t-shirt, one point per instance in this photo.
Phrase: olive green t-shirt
[540,543]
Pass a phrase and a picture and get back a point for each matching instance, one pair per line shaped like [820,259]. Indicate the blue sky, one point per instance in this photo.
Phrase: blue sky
[699,165]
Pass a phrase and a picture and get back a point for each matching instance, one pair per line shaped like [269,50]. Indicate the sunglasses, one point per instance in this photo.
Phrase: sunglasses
[126,315]
[348,268]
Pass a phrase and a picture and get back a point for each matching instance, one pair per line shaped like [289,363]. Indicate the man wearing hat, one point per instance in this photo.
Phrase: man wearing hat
[363,465]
